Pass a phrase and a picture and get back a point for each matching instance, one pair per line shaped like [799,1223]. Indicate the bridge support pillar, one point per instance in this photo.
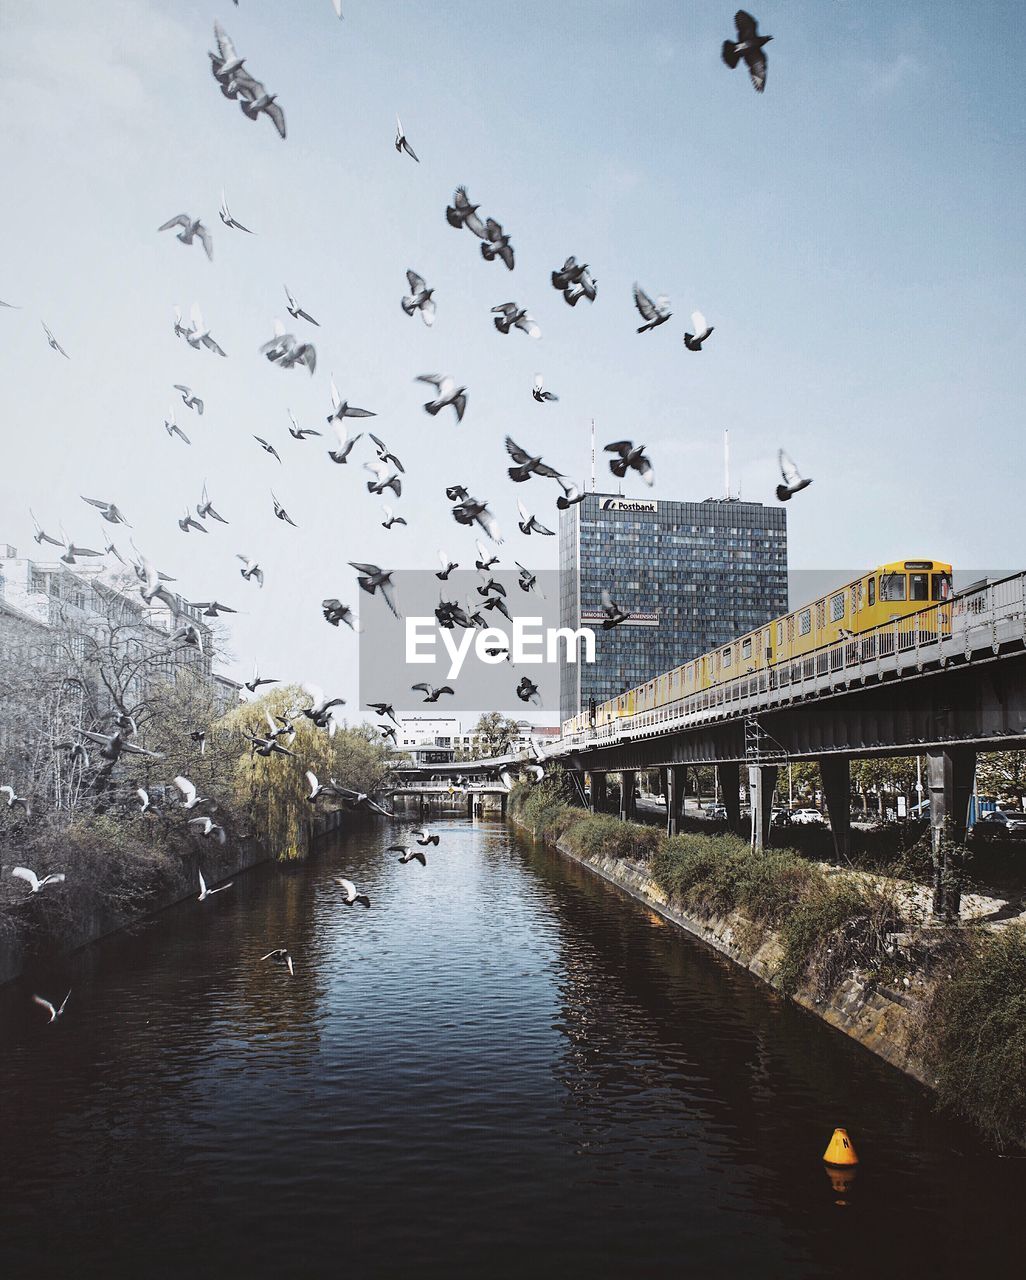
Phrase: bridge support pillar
[729,775]
[950,771]
[628,793]
[836,774]
[676,776]
[762,779]
[598,792]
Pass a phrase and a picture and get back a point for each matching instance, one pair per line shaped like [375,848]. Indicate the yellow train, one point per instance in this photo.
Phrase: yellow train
[863,612]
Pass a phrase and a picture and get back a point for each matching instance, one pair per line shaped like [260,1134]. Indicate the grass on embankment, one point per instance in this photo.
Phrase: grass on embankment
[829,924]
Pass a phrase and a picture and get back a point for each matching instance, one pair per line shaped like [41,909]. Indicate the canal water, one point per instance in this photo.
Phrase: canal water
[504,1067]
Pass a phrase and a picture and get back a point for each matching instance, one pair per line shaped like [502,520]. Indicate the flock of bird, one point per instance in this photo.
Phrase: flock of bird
[574,280]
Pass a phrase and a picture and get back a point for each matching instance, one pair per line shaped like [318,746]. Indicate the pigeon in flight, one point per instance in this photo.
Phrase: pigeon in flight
[527,691]
[204,892]
[189,398]
[390,517]
[197,334]
[509,314]
[205,508]
[40,537]
[387,731]
[408,854]
[401,144]
[54,343]
[226,65]
[385,454]
[430,693]
[461,213]
[297,432]
[192,798]
[108,510]
[570,496]
[254,684]
[793,481]
[211,831]
[574,281]
[423,838]
[371,578]
[384,709]
[335,612]
[447,567]
[420,299]
[345,441]
[54,1013]
[750,46]
[496,244]
[32,880]
[280,512]
[250,569]
[173,429]
[73,552]
[267,448]
[529,524]
[343,409]
[187,522]
[539,392]
[147,802]
[448,394]
[484,561]
[296,311]
[226,216]
[386,477]
[282,956]
[614,614]
[9,305]
[153,584]
[693,341]
[191,228]
[631,457]
[350,896]
[456,493]
[263,103]
[527,465]
[653,313]
[473,509]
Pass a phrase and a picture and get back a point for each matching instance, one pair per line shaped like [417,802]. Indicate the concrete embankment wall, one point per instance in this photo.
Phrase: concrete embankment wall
[883,1021]
[29,938]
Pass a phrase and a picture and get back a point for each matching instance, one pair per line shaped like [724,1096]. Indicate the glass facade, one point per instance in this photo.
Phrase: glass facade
[694,575]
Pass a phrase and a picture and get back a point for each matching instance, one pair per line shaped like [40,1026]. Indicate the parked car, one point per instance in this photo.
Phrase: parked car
[999,824]
[717,812]
[806,817]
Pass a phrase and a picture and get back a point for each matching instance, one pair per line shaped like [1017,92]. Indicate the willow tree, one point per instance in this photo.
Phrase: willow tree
[273,789]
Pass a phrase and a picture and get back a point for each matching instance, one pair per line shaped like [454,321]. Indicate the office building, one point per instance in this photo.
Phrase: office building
[692,575]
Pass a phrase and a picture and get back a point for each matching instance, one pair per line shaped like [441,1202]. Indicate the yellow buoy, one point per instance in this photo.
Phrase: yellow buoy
[840,1150]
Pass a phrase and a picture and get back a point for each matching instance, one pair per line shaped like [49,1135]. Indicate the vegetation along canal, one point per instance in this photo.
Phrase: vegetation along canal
[503,1067]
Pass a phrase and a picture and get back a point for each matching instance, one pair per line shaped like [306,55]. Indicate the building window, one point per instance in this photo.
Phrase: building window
[746,647]
[780,633]
[837,607]
[727,656]
[38,585]
[805,622]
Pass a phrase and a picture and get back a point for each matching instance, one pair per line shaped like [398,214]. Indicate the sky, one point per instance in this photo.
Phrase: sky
[855,235]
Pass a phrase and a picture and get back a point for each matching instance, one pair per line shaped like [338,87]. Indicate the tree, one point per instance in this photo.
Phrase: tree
[1002,773]
[494,731]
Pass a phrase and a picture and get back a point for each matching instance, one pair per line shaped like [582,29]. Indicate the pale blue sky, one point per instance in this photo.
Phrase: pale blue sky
[855,235]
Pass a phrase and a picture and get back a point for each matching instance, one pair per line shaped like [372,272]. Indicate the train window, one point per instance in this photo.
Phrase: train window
[820,614]
[837,607]
[872,592]
[746,647]
[856,591]
[805,622]
[942,586]
[790,629]
[919,586]
[892,586]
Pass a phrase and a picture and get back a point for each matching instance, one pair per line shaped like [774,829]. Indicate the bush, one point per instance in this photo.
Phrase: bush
[974,1030]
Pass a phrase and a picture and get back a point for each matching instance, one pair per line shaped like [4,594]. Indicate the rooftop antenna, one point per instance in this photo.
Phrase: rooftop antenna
[726,466]
[593,455]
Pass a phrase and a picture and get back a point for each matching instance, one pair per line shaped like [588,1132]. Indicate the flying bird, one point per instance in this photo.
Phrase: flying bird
[371,579]
[793,481]
[343,409]
[187,522]
[401,144]
[528,581]
[408,854]
[461,213]
[630,457]
[473,509]
[173,429]
[205,893]
[211,608]
[456,493]
[447,567]
[448,394]
[574,281]
[40,537]
[267,448]
[280,512]
[423,838]
[54,343]
[264,103]
[750,46]
[390,517]
[226,216]
[109,511]
[296,311]
[54,1013]
[191,228]
[539,392]
[527,464]
[653,313]
[614,615]
[509,315]
[188,790]
[350,895]
[197,334]
[484,561]
[430,693]
[527,691]
[250,569]
[570,496]
[281,956]
[496,244]
[529,524]
[384,709]
[385,477]
[345,441]
[420,299]
[693,341]
[205,508]
[34,883]
[387,731]
[297,432]
[211,831]
[189,398]
[385,454]
[254,684]
[335,612]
